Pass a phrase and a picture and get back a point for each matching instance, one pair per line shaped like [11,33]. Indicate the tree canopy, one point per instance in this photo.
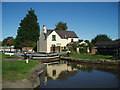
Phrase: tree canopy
[90,45]
[100,37]
[9,41]
[61,26]
[28,32]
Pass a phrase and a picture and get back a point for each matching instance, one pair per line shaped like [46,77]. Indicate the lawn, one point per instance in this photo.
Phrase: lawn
[88,56]
[16,70]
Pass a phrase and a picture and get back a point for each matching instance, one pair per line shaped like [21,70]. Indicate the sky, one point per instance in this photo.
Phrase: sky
[86,19]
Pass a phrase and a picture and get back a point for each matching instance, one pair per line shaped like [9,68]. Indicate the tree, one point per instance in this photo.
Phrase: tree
[83,48]
[9,41]
[90,45]
[101,37]
[28,32]
[61,26]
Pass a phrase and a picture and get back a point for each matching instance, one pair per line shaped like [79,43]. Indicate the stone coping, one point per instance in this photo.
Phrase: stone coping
[100,61]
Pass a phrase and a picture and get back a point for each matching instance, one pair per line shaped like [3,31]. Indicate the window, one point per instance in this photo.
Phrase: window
[54,72]
[71,40]
[53,37]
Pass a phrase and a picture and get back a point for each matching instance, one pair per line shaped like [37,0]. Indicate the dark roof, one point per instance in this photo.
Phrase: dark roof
[63,34]
[73,43]
[108,43]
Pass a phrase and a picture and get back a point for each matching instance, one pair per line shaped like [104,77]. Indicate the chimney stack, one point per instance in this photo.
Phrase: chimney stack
[44,29]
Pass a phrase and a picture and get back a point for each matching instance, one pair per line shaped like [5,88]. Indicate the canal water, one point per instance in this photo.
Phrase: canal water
[64,74]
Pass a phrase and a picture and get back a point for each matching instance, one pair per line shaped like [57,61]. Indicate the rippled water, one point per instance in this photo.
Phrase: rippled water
[63,74]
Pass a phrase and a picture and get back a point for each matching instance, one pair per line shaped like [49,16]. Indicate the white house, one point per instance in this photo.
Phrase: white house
[53,41]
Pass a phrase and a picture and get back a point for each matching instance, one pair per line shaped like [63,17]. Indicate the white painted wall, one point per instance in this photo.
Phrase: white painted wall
[83,42]
[74,39]
[59,42]
[44,45]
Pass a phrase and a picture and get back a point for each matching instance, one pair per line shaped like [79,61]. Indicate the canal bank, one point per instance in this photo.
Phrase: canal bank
[31,81]
[96,61]
[35,72]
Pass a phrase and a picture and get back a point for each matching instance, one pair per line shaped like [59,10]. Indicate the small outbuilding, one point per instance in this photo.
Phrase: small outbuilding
[108,48]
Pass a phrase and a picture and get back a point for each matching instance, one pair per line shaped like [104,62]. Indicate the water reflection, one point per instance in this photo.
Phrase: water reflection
[62,74]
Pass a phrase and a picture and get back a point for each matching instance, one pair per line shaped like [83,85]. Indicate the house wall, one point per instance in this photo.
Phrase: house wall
[74,39]
[42,44]
[59,42]
[45,45]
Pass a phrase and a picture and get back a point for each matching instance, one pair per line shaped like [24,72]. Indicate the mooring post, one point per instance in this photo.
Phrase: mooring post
[27,60]
[25,57]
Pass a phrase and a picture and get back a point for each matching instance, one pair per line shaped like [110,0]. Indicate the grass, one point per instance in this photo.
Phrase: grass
[16,70]
[88,56]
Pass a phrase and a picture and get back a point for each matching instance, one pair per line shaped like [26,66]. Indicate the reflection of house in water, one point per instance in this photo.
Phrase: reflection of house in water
[55,70]
[63,70]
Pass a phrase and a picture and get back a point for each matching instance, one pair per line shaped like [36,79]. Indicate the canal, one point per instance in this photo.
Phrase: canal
[65,74]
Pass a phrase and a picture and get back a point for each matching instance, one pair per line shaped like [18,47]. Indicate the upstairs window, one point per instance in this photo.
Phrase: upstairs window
[53,37]
[71,40]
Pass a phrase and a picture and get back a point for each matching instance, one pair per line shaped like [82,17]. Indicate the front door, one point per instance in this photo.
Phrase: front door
[52,49]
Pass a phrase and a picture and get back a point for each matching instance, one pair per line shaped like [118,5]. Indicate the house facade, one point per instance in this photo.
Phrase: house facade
[54,41]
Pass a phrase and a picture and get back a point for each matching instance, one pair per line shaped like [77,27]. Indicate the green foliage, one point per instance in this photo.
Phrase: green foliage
[90,45]
[73,48]
[101,37]
[61,26]
[9,41]
[16,70]
[28,32]
[83,48]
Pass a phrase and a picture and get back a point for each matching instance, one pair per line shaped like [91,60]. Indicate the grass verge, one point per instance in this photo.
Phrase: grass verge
[16,70]
[88,56]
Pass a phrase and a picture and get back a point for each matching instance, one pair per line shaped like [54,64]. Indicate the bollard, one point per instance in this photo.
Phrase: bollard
[26,60]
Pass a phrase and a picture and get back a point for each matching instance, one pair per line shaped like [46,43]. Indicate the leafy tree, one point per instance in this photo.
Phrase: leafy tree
[83,48]
[73,47]
[9,41]
[28,32]
[61,26]
[90,45]
[101,37]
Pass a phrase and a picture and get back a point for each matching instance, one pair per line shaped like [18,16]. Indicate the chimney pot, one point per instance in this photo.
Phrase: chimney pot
[44,29]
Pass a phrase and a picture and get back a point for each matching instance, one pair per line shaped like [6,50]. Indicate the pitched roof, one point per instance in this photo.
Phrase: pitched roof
[108,43]
[63,34]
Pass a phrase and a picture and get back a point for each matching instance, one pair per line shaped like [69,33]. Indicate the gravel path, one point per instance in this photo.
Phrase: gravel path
[24,83]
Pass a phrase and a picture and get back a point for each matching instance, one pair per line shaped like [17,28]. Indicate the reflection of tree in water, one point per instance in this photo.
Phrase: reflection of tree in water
[114,69]
[87,68]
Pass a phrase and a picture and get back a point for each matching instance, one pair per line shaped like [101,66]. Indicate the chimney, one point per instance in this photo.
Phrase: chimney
[44,29]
